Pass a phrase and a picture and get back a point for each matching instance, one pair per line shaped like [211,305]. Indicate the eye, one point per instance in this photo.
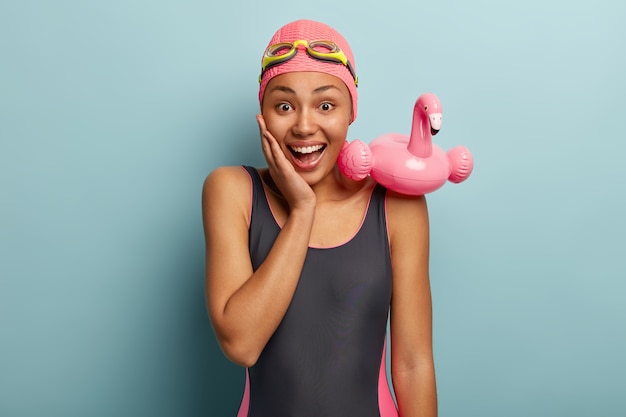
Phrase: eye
[284,107]
[326,106]
[425,108]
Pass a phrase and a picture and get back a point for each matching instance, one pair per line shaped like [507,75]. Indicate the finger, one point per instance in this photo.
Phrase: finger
[270,141]
[261,122]
[265,134]
[265,141]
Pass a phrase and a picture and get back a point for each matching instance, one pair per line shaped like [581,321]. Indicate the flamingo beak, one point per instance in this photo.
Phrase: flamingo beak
[435,123]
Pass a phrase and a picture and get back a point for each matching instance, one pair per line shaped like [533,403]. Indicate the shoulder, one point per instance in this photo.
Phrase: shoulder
[227,188]
[407,216]
[400,205]
[225,176]
[233,180]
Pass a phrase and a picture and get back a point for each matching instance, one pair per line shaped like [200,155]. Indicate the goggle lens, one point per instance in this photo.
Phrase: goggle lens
[279,49]
[323,47]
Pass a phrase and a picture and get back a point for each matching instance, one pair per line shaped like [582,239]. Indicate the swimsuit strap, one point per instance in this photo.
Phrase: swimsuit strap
[263,229]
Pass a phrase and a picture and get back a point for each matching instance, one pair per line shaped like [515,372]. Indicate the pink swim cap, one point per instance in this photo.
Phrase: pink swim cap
[310,30]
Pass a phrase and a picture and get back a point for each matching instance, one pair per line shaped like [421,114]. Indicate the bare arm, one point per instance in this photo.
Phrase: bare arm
[246,306]
[412,364]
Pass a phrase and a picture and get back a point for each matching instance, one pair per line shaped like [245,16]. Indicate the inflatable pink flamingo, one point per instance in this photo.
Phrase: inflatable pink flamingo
[409,165]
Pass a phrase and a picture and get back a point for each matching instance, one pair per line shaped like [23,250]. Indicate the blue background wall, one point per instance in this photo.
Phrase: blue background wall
[112,114]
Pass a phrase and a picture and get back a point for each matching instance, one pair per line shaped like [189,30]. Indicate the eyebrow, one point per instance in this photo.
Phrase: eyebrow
[283,88]
[318,90]
[324,88]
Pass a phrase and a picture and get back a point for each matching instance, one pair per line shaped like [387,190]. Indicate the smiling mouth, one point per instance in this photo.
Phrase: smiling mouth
[307,154]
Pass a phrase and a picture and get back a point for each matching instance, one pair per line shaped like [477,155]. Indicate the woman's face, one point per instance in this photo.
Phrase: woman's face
[309,114]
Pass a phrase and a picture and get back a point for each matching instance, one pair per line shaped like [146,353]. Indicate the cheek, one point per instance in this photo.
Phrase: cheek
[337,135]
[340,126]
[275,127]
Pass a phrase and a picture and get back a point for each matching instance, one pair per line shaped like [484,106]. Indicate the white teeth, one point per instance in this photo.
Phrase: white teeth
[307,149]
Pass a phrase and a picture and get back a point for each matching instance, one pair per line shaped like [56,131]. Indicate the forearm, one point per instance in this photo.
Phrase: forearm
[254,311]
[416,391]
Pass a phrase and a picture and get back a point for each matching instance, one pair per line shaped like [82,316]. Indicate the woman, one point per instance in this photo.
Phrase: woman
[304,265]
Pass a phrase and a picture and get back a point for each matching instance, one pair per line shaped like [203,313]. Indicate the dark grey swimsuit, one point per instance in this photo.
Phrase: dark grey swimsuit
[324,358]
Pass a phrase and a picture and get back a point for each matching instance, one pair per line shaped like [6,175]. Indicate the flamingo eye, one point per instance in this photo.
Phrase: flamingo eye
[425,108]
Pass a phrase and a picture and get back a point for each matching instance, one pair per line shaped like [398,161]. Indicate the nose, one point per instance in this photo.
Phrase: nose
[305,123]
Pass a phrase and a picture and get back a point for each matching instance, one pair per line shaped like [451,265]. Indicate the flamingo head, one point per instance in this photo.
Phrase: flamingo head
[429,105]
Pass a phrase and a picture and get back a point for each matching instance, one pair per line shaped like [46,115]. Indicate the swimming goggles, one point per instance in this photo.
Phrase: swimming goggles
[319,49]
